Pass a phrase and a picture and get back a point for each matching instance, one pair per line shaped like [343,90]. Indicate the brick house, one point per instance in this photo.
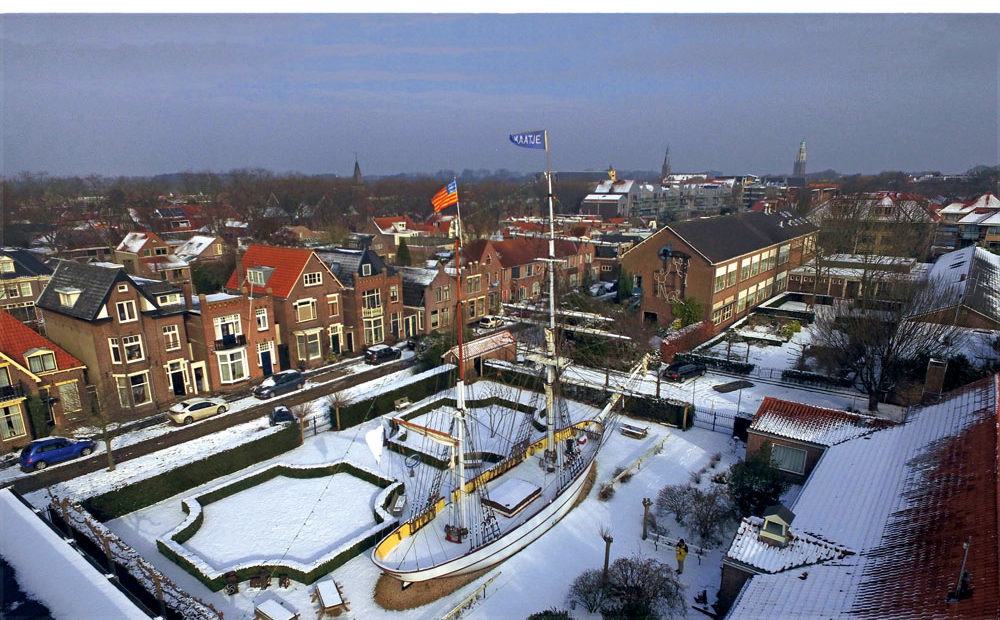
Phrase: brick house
[308,302]
[427,299]
[373,296]
[729,263]
[128,331]
[799,434]
[201,248]
[147,255]
[22,277]
[235,336]
[969,281]
[32,364]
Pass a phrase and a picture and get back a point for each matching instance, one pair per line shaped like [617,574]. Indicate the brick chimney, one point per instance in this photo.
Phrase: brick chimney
[934,379]
[186,291]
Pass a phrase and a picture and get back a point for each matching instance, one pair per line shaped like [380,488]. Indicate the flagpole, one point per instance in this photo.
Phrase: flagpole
[552,451]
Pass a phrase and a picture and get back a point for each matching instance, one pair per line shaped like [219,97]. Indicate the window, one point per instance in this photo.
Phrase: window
[720,282]
[261,314]
[366,269]
[232,366]
[11,422]
[788,459]
[255,276]
[434,319]
[442,293]
[169,300]
[308,345]
[741,302]
[126,311]
[394,324]
[69,395]
[474,284]
[160,251]
[137,387]
[745,270]
[374,332]
[536,289]
[727,312]
[42,362]
[146,252]
[333,301]
[731,276]
[393,293]
[123,288]
[305,310]
[717,316]
[67,296]
[25,289]
[116,351]
[313,279]
[445,317]
[12,291]
[783,252]
[227,327]
[371,299]
[171,338]
[133,348]
[7,266]
[754,266]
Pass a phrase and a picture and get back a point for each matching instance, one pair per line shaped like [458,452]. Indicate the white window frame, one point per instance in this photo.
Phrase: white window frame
[366,269]
[228,360]
[171,335]
[333,304]
[129,307]
[785,457]
[374,330]
[69,395]
[305,303]
[12,423]
[313,278]
[42,355]
[134,339]
[116,351]
[260,315]
[255,277]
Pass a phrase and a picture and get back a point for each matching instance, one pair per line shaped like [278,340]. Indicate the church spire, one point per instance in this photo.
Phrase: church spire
[800,161]
[665,171]
[358,180]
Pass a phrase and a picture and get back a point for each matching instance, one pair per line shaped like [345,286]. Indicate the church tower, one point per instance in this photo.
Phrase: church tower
[358,180]
[800,162]
[665,170]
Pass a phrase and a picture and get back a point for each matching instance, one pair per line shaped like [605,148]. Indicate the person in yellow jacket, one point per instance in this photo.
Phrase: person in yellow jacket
[680,552]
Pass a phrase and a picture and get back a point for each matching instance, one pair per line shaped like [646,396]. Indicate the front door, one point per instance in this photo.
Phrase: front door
[199,378]
[177,379]
[265,363]
[350,341]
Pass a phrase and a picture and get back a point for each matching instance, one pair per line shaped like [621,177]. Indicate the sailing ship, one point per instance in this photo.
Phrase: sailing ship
[477,512]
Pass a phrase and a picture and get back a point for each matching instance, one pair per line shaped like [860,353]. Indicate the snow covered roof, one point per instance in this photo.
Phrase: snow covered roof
[970,276]
[133,242]
[801,550]
[620,186]
[816,425]
[903,499]
[486,344]
[193,247]
[603,198]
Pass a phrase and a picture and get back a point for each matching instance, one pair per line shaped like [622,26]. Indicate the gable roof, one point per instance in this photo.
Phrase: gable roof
[486,344]
[903,499]
[346,264]
[134,241]
[287,265]
[193,247]
[724,237]
[26,264]
[970,276]
[16,339]
[93,281]
[802,549]
[415,283]
[816,425]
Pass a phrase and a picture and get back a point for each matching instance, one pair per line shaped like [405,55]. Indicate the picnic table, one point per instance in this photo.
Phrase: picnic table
[330,596]
[273,609]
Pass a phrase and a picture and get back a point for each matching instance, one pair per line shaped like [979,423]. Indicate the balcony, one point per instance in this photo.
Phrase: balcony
[230,341]
[370,313]
[11,392]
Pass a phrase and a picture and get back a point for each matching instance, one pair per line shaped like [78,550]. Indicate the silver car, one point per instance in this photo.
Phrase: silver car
[187,411]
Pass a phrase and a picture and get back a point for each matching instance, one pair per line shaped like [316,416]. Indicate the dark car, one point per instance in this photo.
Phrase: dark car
[41,453]
[280,383]
[680,372]
[381,353]
[280,415]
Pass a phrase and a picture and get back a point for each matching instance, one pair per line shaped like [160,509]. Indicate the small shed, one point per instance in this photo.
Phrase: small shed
[498,346]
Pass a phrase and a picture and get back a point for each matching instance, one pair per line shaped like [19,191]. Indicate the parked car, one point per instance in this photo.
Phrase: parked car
[187,411]
[280,383]
[379,353]
[490,322]
[280,415]
[41,453]
[682,372]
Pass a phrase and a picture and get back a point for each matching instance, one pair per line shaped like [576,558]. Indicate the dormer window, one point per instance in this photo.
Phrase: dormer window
[366,269]
[68,296]
[40,360]
[256,276]
[6,266]
[777,520]
[169,300]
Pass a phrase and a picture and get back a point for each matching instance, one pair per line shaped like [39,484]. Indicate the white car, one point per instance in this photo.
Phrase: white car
[187,411]
[490,322]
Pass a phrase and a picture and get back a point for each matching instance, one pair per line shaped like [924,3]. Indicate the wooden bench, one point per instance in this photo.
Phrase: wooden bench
[636,432]
[262,580]
[330,596]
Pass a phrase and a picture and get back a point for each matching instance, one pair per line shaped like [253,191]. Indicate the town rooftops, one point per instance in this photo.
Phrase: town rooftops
[193,247]
[93,282]
[347,264]
[724,237]
[134,241]
[16,339]
[802,549]
[903,500]
[26,264]
[286,266]
[971,277]
[815,425]
[415,282]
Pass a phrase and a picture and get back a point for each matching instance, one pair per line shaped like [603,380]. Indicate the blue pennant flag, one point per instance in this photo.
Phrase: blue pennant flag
[531,139]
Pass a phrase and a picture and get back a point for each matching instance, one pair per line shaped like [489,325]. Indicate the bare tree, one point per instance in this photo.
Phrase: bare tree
[335,401]
[642,588]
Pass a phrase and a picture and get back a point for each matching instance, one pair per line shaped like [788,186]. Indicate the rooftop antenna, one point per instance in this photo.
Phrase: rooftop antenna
[964,588]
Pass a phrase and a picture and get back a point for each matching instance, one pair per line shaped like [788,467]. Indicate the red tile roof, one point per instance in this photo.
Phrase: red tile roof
[16,339]
[288,263]
[812,424]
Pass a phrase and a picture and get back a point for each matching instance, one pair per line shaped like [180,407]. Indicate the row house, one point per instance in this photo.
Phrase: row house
[308,302]
[128,331]
[373,296]
[31,365]
[729,263]
[235,336]
[178,218]
[515,270]
[22,277]
[147,255]
[427,299]
[968,223]
[892,223]
[847,276]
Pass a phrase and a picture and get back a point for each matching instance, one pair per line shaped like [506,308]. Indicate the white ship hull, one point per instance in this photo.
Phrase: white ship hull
[499,550]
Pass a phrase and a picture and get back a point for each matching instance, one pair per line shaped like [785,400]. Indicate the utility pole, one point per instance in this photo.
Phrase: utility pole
[646,503]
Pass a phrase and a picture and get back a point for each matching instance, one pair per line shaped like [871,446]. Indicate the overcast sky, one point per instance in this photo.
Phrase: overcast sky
[148,94]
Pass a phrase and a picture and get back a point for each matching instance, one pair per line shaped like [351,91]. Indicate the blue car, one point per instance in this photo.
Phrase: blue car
[41,453]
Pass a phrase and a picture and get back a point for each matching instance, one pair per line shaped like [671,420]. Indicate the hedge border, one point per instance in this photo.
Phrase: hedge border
[216,580]
[742,368]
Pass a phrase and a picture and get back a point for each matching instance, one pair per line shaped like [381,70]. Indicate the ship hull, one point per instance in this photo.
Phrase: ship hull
[504,547]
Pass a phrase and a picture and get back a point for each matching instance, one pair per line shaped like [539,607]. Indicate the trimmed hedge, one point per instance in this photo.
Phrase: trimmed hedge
[257,478]
[714,362]
[149,491]
[801,376]
[369,408]
[665,410]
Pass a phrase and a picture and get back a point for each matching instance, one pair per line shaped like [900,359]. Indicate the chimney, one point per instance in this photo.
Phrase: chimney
[774,530]
[186,291]
[934,379]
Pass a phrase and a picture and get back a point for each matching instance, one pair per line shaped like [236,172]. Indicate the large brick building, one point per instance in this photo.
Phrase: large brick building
[22,277]
[729,263]
[373,296]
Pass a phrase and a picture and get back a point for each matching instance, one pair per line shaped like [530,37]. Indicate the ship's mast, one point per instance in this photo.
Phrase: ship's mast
[551,451]
[459,529]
